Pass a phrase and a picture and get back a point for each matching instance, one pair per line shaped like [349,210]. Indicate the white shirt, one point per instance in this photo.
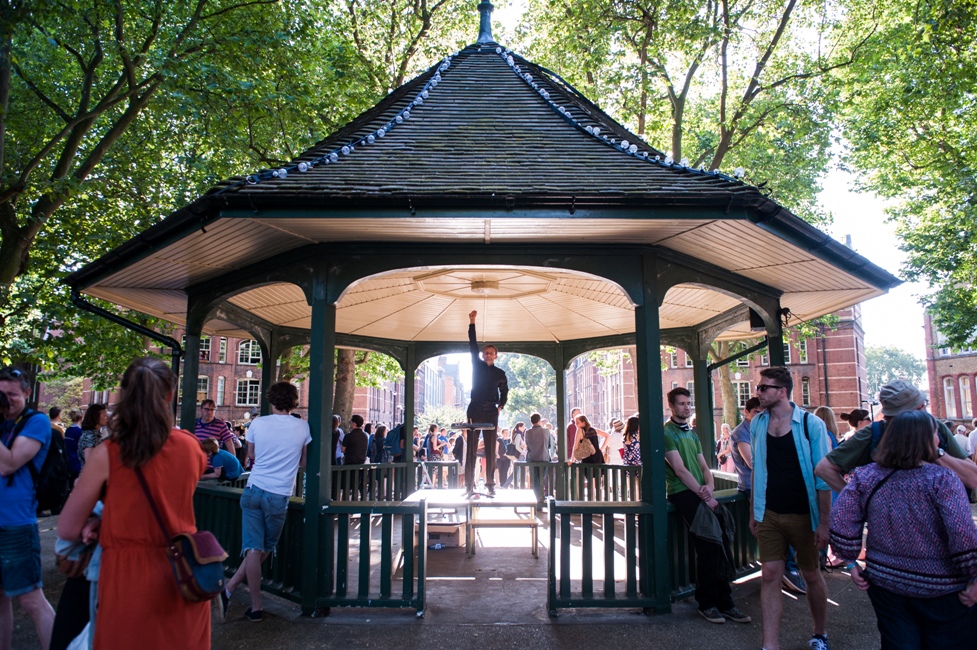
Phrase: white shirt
[964,442]
[278,443]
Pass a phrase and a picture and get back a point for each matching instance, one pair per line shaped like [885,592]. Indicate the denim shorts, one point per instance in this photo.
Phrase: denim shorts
[20,559]
[262,519]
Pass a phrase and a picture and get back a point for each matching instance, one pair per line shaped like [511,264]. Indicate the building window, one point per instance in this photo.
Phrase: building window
[764,359]
[298,389]
[786,352]
[248,392]
[204,348]
[802,351]
[688,360]
[674,385]
[743,393]
[222,351]
[948,398]
[690,386]
[966,405]
[203,386]
[673,359]
[220,390]
[743,362]
[249,353]
[805,391]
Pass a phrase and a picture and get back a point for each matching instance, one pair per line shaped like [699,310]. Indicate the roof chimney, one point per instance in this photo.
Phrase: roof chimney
[485,24]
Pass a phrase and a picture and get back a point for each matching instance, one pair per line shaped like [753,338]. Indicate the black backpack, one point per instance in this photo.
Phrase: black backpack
[53,482]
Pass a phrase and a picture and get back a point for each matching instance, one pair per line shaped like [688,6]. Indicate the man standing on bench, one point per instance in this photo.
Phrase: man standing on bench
[490,388]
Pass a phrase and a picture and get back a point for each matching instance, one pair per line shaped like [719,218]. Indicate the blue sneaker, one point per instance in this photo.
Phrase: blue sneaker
[794,582]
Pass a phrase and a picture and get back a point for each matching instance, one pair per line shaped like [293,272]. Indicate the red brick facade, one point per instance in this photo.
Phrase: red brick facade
[952,377]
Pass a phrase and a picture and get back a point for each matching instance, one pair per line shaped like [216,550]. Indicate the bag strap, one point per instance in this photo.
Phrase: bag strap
[876,489]
[19,425]
[152,503]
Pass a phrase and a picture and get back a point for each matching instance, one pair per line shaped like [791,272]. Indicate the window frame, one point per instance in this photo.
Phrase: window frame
[249,382]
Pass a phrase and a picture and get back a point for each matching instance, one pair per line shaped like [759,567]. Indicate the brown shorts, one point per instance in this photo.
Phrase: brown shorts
[776,532]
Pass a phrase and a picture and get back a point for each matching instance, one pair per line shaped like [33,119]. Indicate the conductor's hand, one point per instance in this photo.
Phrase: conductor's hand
[471,316]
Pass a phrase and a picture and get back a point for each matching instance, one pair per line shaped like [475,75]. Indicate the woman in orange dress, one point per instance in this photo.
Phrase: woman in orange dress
[139,605]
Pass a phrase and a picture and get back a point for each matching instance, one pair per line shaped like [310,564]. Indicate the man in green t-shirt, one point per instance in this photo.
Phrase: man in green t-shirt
[895,397]
[689,486]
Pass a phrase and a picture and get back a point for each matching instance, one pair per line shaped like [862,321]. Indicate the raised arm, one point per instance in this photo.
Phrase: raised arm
[472,341]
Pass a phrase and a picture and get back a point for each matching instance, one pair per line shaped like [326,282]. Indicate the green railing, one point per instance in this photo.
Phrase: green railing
[218,509]
[354,552]
[610,570]
[580,481]
[368,580]
[627,578]
[682,550]
[372,482]
[440,473]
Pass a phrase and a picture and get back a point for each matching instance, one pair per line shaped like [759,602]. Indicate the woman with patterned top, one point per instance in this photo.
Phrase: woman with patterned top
[921,549]
[632,449]
[94,429]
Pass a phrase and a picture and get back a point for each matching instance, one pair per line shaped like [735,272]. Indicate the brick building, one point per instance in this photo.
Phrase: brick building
[828,369]
[952,377]
[230,374]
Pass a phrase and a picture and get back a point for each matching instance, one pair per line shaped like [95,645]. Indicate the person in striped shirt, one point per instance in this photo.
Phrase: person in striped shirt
[211,427]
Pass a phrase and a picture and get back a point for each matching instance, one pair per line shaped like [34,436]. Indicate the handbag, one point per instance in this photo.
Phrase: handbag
[74,568]
[584,449]
[196,558]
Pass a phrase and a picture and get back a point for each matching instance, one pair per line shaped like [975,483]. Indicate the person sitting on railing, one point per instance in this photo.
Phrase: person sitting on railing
[221,465]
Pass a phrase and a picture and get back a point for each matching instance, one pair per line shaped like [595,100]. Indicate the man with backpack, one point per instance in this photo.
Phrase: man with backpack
[790,505]
[26,437]
[895,397]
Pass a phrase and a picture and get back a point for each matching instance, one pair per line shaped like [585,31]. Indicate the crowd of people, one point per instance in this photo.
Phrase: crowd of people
[812,490]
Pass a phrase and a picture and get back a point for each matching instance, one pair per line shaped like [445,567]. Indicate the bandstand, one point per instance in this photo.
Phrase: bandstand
[484,183]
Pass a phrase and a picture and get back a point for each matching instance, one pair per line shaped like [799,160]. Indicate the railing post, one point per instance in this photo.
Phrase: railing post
[409,372]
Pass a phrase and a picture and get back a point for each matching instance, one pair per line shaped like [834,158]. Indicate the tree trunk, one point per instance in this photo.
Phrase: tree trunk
[730,403]
[345,383]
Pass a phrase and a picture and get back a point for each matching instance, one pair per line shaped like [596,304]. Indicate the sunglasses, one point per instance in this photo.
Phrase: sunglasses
[761,388]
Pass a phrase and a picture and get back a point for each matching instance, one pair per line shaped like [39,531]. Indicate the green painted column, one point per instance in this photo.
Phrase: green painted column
[705,425]
[318,458]
[191,366]
[775,346]
[652,439]
[561,403]
[409,375]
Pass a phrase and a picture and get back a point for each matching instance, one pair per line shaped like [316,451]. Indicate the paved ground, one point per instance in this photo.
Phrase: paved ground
[497,600]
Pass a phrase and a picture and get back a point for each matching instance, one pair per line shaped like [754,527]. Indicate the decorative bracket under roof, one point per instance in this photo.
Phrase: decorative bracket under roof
[485,23]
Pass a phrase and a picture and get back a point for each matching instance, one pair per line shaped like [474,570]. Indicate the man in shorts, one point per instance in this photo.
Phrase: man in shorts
[791,506]
[20,545]
[276,447]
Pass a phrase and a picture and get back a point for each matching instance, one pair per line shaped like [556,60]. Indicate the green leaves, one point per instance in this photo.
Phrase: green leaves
[885,364]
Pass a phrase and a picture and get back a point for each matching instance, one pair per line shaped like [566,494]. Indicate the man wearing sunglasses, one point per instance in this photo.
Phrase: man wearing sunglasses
[25,437]
[791,506]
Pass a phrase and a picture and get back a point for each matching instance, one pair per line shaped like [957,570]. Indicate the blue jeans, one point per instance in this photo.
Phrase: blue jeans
[941,623]
[262,519]
[20,559]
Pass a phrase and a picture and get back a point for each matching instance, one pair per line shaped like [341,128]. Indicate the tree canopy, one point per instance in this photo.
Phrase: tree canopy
[885,364]
[911,125]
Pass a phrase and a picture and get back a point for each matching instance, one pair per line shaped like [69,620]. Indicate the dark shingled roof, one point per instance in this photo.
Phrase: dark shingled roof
[485,130]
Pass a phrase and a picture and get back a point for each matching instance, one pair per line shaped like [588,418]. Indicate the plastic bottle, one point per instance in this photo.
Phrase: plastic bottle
[437,547]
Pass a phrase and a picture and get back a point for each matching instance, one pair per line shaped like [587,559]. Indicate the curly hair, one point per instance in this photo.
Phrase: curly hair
[283,396]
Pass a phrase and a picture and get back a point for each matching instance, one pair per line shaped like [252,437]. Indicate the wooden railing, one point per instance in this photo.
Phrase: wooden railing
[441,473]
[348,530]
[350,549]
[580,481]
[614,526]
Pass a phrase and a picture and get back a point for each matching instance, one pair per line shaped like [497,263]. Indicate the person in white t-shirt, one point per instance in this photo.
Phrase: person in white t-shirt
[277,445]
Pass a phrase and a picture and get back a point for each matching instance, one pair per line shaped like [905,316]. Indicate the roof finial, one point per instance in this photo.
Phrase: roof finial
[485,24]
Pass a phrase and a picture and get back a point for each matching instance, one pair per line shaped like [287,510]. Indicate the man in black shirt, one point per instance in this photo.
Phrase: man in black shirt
[355,443]
[490,389]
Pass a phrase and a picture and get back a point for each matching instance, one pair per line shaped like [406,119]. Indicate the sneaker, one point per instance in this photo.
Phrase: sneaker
[223,601]
[818,642]
[712,615]
[491,491]
[794,582]
[734,614]
[254,616]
